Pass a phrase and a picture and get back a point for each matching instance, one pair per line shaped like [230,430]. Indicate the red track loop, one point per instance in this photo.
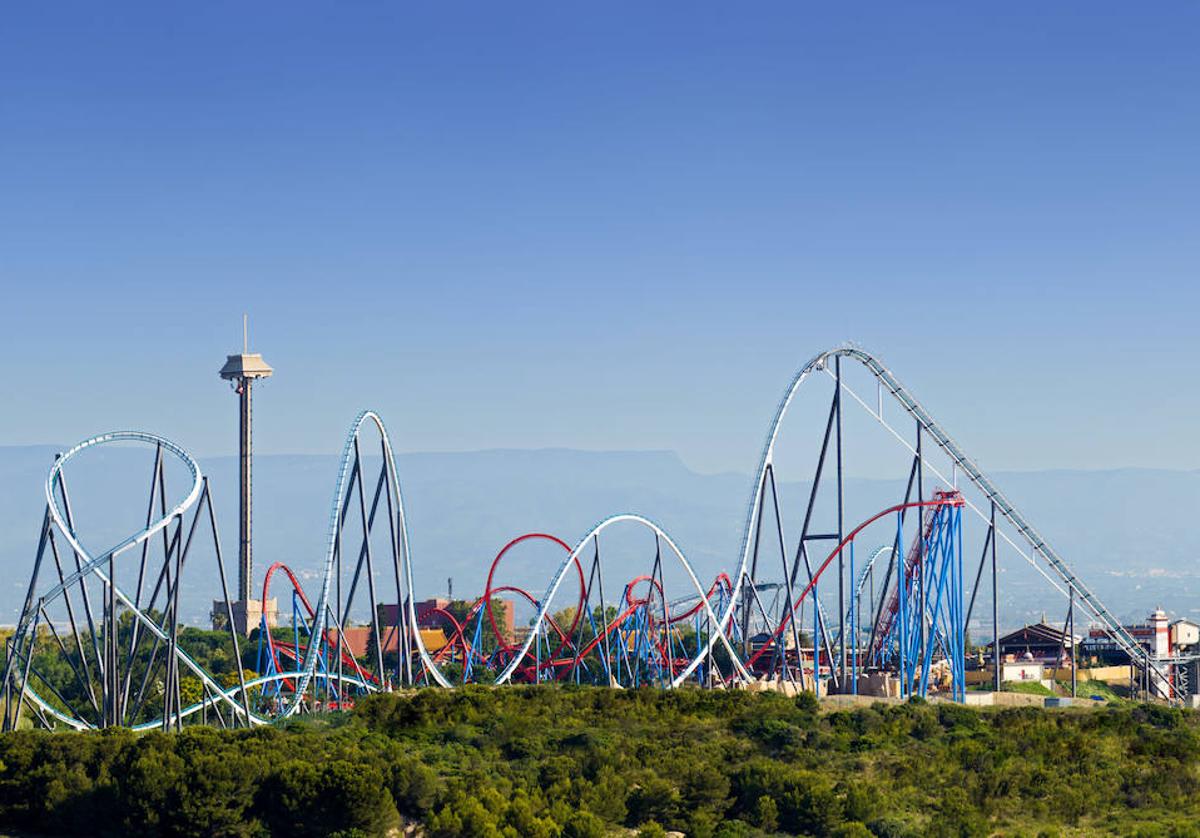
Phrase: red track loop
[332,645]
[564,638]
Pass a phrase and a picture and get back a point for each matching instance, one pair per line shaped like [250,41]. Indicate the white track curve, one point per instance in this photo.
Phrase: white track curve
[322,606]
[560,574]
[982,482]
[93,564]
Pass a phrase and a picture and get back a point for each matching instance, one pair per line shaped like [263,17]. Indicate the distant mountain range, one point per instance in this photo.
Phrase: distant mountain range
[1130,533]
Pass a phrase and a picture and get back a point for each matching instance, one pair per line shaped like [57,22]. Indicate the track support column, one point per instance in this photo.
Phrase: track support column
[995,608]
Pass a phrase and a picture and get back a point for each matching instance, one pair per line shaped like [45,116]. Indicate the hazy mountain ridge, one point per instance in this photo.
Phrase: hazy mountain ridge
[1127,532]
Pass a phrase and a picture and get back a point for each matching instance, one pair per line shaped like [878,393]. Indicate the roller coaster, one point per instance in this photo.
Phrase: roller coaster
[99,641]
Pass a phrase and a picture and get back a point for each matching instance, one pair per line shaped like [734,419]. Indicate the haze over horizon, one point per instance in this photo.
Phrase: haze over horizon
[462,507]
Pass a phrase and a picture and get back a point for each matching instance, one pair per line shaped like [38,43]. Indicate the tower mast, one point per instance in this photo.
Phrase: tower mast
[241,371]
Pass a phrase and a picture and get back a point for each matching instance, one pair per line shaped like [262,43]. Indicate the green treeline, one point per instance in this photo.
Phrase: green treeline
[564,761]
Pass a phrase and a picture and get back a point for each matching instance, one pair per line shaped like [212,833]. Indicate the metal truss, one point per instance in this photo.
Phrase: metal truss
[745,626]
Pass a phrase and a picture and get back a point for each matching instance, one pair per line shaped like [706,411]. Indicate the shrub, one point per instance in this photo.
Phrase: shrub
[547,762]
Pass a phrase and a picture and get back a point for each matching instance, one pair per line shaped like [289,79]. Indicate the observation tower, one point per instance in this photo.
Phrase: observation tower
[241,371]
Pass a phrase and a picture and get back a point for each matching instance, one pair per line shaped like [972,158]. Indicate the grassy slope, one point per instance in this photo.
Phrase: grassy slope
[1027,688]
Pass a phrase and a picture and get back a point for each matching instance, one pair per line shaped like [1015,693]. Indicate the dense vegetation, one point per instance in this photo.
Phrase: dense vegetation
[547,761]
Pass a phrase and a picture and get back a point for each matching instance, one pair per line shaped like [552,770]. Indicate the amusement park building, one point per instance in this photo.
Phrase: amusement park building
[430,614]
[1038,642]
[248,614]
[358,640]
[1159,637]
[1175,643]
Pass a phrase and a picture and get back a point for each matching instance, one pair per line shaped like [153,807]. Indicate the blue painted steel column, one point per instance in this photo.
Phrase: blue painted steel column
[816,645]
[853,629]
[901,578]
[962,646]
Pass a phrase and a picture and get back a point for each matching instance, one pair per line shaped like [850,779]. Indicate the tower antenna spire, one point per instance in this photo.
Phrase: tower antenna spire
[245,334]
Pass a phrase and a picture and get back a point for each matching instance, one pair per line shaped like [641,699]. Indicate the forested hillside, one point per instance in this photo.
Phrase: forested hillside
[549,761]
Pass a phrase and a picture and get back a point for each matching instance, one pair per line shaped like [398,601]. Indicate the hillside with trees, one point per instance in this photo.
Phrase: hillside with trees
[567,761]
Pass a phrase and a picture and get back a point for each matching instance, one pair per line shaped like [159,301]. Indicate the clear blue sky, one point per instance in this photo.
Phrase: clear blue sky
[602,225]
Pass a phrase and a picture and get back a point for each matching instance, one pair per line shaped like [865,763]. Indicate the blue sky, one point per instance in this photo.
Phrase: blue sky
[613,226]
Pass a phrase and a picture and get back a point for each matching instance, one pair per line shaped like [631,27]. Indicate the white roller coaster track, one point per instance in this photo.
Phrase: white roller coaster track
[1040,553]
[560,574]
[332,547]
[1039,548]
[93,564]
